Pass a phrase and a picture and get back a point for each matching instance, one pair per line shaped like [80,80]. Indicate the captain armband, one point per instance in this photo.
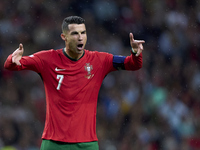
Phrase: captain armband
[118,62]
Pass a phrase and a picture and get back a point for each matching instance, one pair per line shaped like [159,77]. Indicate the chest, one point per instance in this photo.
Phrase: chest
[62,74]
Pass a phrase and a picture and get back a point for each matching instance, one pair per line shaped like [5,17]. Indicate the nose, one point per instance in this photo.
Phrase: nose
[80,38]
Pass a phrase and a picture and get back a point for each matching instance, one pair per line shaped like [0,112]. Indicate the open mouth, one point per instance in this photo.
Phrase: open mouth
[80,46]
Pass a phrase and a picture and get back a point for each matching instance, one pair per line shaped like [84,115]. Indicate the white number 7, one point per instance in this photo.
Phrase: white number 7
[60,77]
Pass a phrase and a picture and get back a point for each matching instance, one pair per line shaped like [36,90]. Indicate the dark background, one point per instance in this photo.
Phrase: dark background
[155,108]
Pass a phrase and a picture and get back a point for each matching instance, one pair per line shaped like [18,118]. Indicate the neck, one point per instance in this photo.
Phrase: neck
[73,56]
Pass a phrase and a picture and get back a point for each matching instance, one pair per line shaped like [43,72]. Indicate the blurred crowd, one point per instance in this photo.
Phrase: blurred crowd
[155,108]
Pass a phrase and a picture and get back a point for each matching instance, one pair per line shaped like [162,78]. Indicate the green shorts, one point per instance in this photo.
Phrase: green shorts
[55,145]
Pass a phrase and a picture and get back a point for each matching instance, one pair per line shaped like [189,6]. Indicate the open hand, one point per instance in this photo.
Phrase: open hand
[136,45]
[17,55]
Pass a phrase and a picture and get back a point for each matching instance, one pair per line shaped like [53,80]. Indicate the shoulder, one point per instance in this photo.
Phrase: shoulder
[98,54]
[99,57]
[47,53]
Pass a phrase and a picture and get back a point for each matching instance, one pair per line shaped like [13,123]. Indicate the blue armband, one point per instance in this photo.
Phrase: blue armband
[118,62]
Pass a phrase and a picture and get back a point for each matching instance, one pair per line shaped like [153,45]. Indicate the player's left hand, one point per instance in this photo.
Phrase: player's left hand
[136,45]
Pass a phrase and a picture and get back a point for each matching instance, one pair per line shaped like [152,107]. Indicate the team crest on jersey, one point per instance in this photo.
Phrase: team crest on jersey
[88,68]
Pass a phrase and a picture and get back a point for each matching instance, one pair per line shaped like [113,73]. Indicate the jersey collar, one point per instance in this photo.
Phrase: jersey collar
[72,58]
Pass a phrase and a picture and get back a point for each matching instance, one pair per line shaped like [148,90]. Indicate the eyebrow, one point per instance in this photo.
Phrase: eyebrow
[83,31]
[75,32]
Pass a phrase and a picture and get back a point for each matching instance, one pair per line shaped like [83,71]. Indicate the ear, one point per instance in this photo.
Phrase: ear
[63,37]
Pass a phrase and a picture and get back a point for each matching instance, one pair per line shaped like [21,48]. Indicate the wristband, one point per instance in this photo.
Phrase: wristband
[133,51]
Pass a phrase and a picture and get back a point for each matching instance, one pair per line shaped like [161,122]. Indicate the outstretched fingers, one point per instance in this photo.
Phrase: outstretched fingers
[131,37]
[136,44]
[140,49]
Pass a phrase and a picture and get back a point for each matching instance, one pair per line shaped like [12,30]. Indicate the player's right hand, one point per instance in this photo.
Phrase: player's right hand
[17,55]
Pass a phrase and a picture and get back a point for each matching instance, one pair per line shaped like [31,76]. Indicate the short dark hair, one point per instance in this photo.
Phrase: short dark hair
[71,20]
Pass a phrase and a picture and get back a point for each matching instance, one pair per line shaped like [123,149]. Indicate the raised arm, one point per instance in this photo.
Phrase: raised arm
[132,62]
[16,61]
[13,60]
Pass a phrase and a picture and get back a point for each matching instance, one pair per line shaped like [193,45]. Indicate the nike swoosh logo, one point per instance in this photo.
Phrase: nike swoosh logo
[31,55]
[56,69]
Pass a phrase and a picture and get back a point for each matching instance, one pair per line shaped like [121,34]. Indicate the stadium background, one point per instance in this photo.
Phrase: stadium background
[155,108]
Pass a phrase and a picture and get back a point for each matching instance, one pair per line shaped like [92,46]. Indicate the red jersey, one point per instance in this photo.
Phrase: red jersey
[71,88]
